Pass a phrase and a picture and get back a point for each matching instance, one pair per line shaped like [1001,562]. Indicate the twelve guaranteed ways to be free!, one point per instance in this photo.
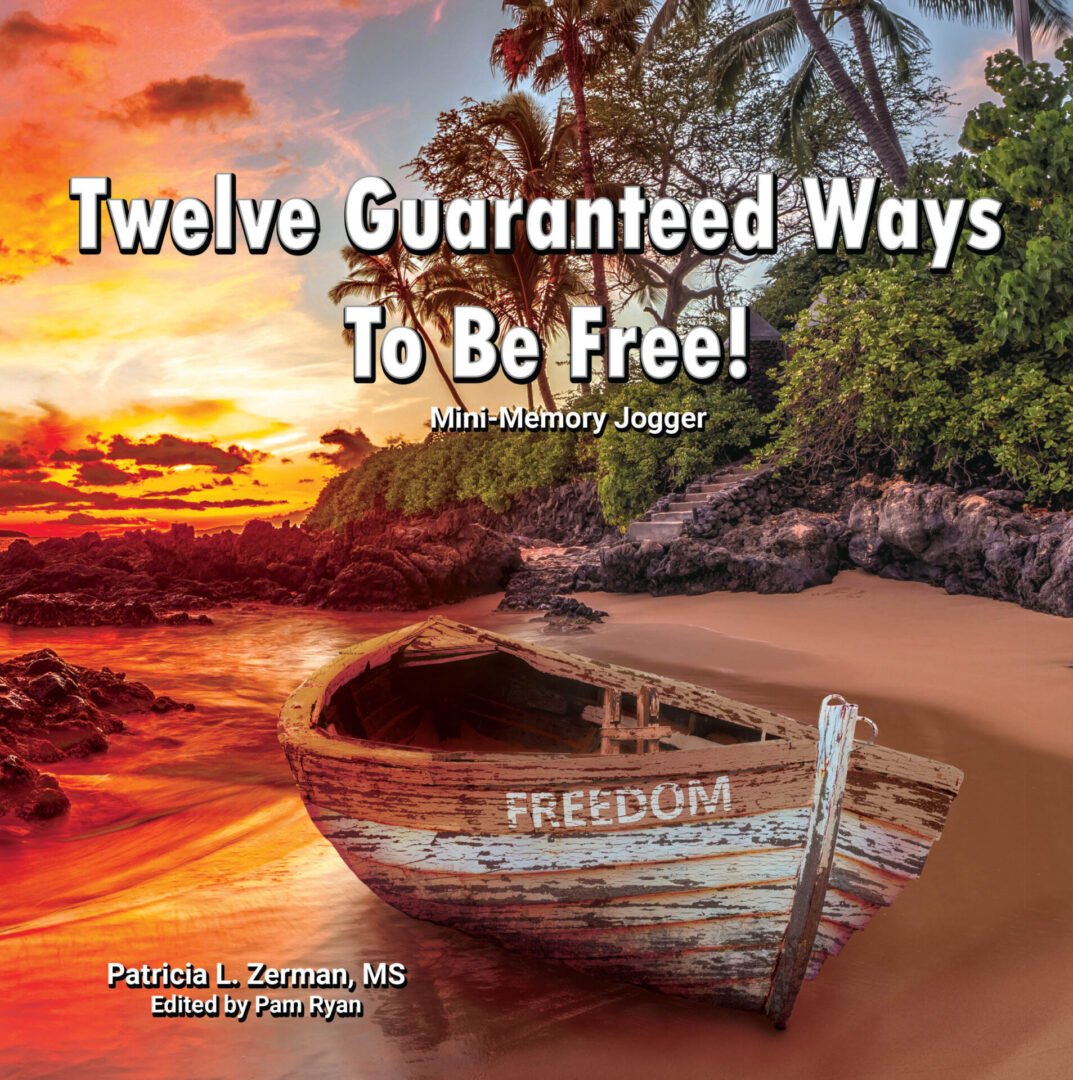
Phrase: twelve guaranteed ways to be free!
[839,213]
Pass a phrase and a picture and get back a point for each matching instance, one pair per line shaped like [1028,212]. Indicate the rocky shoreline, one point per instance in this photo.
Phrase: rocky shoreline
[51,710]
[143,578]
[771,536]
[765,533]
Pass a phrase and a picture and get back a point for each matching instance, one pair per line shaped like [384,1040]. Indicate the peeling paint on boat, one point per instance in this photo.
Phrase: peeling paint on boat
[725,871]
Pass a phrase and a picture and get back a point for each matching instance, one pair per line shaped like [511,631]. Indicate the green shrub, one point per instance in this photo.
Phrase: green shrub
[634,468]
[446,468]
[1024,148]
[970,372]
[879,370]
[900,368]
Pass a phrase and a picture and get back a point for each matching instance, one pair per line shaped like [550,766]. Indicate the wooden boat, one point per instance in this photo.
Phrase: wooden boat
[631,826]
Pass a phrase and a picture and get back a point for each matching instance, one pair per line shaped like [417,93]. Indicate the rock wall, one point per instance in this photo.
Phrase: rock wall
[568,514]
[971,543]
[383,561]
[414,563]
[144,577]
[765,534]
[774,535]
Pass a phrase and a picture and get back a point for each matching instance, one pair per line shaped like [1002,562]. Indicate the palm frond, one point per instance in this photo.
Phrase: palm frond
[523,138]
[357,289]
[768,41]
[897,36]
[550,71]
[670,11]
[800,90]
[1049,16]
[769,38]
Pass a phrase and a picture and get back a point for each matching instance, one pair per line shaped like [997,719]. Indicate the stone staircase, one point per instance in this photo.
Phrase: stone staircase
[671,514]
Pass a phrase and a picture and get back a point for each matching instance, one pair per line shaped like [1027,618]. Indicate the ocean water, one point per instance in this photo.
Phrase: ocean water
[187,842]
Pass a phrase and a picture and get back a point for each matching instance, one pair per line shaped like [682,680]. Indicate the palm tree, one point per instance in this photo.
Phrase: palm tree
[398,282]
[522,288]
[552,40]
[528,146]
[774,36]
[889,152]
[520,150]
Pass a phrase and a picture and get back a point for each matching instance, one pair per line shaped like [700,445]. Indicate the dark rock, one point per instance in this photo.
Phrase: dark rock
[27,792]
[184,618]
[13,770]
[566,613]
[145,578]
[50,710]
[961,542]
[568,514]
[15,706]
[51,686]
[865,548]
[965,543]
[378,580]
[168,704]
[1014,499]
[22,555]
[66,609]
[440,560]
[542,578]
[50,662]
[45,802]
[786,553]
[78,739]
[569,605]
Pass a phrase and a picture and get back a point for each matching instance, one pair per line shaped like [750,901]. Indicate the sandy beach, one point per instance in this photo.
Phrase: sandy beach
[188,842]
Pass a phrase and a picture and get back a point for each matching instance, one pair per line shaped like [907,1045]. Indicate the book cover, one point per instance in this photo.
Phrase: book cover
[535,539]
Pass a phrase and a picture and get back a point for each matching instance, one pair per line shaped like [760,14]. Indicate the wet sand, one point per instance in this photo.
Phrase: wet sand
[187,842]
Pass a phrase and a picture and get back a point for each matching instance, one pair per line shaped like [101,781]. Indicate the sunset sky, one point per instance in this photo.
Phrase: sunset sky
[151,389]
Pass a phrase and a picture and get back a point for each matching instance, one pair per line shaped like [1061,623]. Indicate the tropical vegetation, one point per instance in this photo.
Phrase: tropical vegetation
[965,377]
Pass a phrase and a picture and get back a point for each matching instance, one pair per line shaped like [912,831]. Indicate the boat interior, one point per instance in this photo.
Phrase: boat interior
[495,702]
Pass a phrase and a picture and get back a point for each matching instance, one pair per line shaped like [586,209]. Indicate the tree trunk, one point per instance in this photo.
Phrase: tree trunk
[530,321]
[542,381]
[873,83]
[435,355]
[847,90]
[576,79]
[546,395]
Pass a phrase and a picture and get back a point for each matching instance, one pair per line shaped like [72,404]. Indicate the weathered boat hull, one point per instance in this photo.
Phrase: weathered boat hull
[700,872]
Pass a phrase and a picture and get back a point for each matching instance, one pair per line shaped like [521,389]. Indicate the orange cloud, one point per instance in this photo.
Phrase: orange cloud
[171,450]
[24,37]
[55,467]
[49,494]
[40,432]
[63,457]
[16,459]
[195,98]
[105,474]
[81,518]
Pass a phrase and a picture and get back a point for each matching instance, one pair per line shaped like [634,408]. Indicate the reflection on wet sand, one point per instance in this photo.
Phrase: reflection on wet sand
[187,842]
